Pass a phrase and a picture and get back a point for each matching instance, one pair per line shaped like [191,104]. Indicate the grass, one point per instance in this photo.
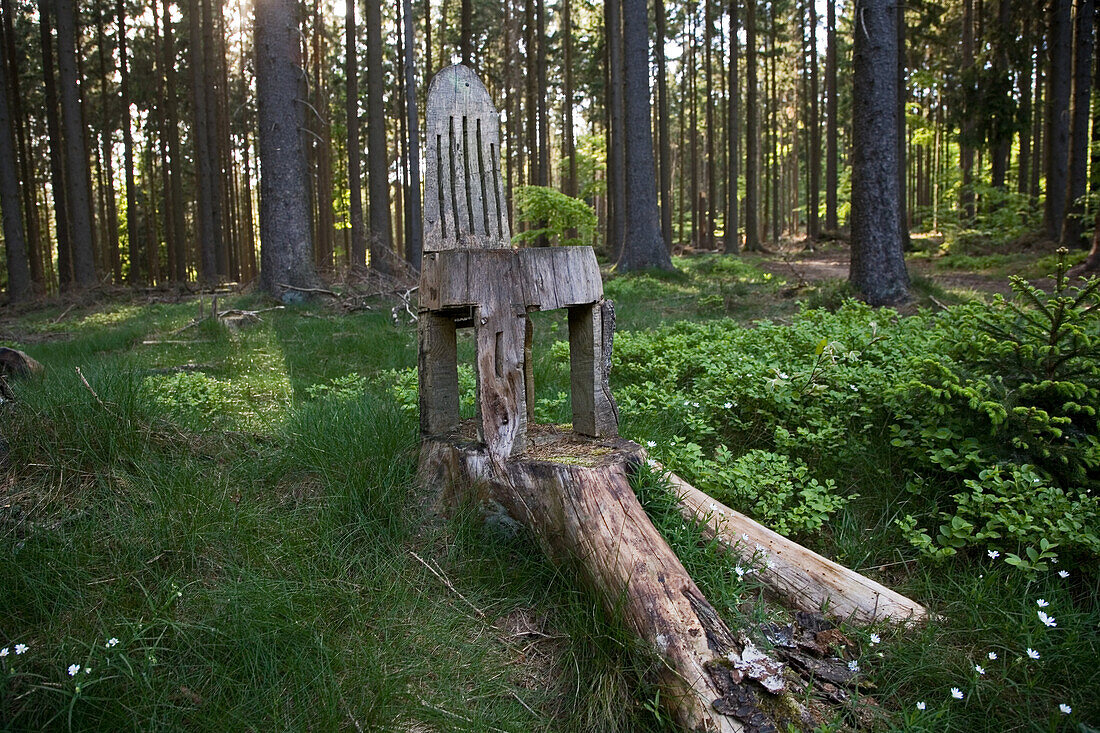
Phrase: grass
[250,531]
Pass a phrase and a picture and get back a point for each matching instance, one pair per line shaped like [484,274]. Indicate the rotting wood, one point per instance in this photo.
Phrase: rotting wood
[589,517]
[801,577]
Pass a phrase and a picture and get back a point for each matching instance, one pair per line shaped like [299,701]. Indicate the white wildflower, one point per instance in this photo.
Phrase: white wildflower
[1063,574]
[853,666]
[992,655]
[993,554]
[1066,709]
[1042,603]
[875,638]
[73,669]
[979,669]
[728,405]
[111,642]
[1032,653]
[1047,620]
[651,444]
[956,693]
[20,648]
[921,705]
[4,652]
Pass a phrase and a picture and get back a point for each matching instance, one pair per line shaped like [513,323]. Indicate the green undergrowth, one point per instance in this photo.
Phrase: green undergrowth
[225,534]
[237,508]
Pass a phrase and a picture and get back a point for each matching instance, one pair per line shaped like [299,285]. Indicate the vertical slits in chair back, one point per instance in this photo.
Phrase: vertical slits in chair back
[464,205]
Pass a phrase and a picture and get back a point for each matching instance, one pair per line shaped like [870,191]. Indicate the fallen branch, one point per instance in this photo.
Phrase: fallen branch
[799,576]
[319,291]
[443,579]
[89,387]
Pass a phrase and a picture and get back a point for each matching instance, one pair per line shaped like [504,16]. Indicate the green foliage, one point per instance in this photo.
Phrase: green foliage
[554,215]
[774,488]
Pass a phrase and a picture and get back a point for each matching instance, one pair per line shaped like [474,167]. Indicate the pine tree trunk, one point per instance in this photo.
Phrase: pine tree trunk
[381,242]
[812,225]
[1027,109]
[286,252]
[966,152]
[76,155]
[414,242]
[358,254]
[733,236]
[643,246]
[204,173]
[57,169]
[664,143]
[15,243]
[133,239]
[831,180]
[707,214]
[1059,45]
[543,92]
[877,265]
[616,161]
[773,126]
[752,140]
[325,223]
[903,159]
[1077,179]
[465,31]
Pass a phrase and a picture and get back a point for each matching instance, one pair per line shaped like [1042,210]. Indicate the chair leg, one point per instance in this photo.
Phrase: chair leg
[438,374]
[594,411]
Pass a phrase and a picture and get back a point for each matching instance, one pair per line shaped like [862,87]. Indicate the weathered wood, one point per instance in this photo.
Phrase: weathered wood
[594,411]
[588,515]
[438,374]
[463,192]
[547,278]
[801,577]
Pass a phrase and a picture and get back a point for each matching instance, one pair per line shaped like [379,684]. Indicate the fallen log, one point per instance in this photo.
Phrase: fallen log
[801,577]
[574,495]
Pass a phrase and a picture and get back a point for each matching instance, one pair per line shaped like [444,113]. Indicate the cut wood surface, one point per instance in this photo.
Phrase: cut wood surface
[588,516]
[801,577]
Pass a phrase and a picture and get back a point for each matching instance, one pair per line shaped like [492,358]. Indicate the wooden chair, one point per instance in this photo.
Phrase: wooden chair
[472,276]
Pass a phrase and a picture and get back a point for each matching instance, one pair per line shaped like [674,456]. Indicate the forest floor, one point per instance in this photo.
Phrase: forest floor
[235,503]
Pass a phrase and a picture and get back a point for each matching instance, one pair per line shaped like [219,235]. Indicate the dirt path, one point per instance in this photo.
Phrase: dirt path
[831,262]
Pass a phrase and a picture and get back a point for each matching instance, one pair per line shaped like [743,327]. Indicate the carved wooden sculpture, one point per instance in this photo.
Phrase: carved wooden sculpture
[471,275]
[583,509]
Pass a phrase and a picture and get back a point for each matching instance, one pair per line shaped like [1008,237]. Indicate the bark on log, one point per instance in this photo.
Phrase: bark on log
[574,495]
[802,578]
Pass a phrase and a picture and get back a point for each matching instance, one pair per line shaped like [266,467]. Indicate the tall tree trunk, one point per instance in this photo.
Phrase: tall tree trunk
[325,225]
[178,266]
[814,203]
[831,180]
[381,243]
[106,158]
[1000,142]
[733,113]
[464,41]
[773,126]
[707,213]
[1077,179]
[358,254]
[1059,45]
[414,242]
[643,246]
[57,154]
[664,142]
[23,150]
[568,148]
[208,224]
[15,243]
[616,162]
[902,98]
[693,133]
[133,239]
[286,252]
[217,131]
[877,265]
[543,92]
[1038,126]
[76,155]
[752,141]
[966,151]
[1027,109]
